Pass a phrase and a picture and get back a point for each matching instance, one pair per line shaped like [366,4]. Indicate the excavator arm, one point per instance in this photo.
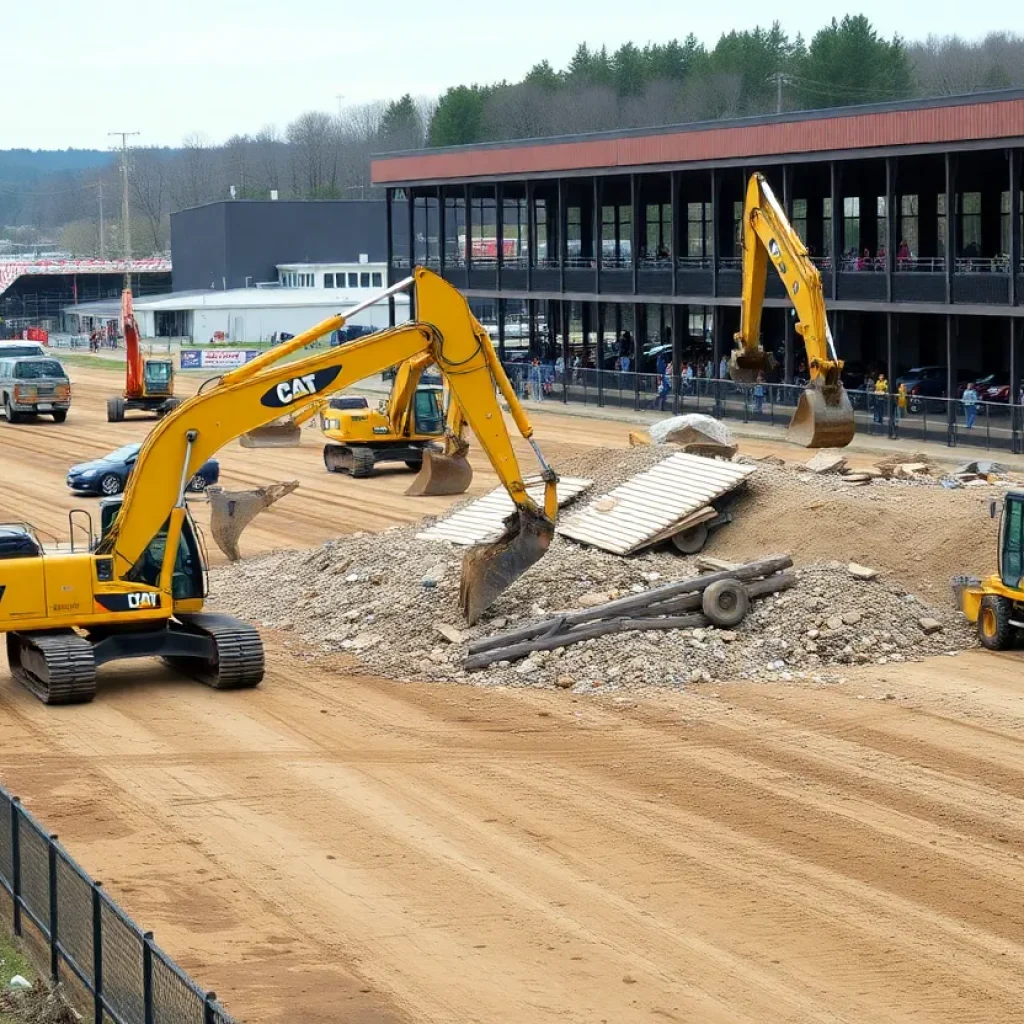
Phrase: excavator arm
[824,416]
[267,388]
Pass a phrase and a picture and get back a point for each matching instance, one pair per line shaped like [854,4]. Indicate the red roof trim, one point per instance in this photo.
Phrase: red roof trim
[995,120]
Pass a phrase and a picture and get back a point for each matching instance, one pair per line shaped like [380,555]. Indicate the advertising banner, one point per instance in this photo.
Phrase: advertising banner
[215,358]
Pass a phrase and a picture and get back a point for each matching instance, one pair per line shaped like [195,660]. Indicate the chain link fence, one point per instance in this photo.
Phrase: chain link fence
[104,959]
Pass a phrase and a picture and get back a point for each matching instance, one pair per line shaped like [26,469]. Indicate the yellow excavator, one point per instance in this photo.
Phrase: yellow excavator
[139,590]
[824,415]
[404,428]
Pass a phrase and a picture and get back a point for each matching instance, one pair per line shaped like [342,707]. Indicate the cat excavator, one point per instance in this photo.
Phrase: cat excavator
[138,590]
[406,427]
[149,383]
[824,415]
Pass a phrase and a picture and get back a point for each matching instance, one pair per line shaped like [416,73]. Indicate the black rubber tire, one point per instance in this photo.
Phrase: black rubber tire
[115,410]
[337,458]
[725,603]
[994,629]
[60,415]
[414,464]
[691,541]
[197,484]
[12,416]
[110,484]
[363,462]
[915,405]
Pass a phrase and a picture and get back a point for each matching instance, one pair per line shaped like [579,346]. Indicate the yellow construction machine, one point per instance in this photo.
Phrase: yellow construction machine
[824,415]
[138,590]
[996,603]
[406,427]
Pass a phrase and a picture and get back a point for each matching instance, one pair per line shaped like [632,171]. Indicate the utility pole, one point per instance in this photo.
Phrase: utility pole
[779,80]
[103,239]
[126,227]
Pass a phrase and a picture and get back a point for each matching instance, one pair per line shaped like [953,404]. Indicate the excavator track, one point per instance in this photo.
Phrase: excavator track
[57,666]
[238,663]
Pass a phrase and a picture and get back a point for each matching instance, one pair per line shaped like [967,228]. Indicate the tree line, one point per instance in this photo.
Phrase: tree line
[327,156]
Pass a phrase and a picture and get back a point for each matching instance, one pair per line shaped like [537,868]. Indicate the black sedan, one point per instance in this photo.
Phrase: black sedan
[108,476]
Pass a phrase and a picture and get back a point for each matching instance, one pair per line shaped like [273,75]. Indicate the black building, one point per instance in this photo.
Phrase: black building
[911,210]
[239,243]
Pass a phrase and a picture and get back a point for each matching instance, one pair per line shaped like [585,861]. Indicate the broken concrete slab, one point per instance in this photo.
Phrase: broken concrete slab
[710,450]
[983,467]
[828,460]
[708,564]
[690,428]
[638,438]
[450,633]
[861,572]
[929,626]
[912,470]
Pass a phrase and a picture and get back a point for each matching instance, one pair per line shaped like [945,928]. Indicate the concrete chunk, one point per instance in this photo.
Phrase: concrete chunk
[930,625]
[450,633]
[827,461]
[862,572]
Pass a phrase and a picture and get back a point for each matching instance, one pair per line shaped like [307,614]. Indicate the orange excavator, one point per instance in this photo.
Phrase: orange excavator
[149,384]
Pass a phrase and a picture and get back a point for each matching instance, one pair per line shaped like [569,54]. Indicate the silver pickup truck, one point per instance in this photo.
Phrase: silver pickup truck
[34,385]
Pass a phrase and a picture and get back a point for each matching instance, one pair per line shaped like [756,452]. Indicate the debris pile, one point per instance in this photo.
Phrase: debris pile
[388,603]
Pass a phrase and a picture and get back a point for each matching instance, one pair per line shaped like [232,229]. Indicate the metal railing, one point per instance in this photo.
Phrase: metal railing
[990,425]
[89,941]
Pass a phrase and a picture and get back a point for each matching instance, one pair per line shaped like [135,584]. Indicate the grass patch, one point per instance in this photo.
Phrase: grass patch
[12,962]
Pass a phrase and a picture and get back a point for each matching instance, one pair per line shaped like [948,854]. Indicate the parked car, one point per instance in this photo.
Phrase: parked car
[108,476]
[30,385]
[20,349]
[923,382]
[981,385]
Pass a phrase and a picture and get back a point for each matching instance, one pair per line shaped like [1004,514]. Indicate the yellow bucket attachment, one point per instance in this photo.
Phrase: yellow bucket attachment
[745,364]
[823,417]
[273,435]
[441,474]
[489,569]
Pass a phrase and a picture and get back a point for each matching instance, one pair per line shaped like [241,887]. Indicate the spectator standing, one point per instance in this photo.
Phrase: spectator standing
[723,369]
[881,394]
[689,378]
[665,389]
[901,401]
[759,396]
[661,363]
[970,402]
[536,380]
[903,254]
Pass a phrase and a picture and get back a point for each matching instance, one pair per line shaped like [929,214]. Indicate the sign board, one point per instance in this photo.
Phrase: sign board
[215,358]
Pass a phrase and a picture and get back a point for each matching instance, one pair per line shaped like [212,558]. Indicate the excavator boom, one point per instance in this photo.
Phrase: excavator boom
[824,415]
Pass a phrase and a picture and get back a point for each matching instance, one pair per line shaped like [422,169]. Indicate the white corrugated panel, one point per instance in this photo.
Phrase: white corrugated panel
[642,509]
[483,520]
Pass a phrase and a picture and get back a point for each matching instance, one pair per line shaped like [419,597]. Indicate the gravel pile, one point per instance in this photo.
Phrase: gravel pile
[391,603]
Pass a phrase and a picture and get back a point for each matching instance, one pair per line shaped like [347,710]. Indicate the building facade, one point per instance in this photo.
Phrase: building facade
[911,211]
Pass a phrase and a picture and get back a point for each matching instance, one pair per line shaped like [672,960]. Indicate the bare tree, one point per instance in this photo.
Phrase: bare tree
[150,195]
[312,137]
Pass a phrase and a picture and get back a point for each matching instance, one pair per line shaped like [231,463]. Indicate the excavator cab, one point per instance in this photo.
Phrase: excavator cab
[428,411]
[158,378]
[188,580]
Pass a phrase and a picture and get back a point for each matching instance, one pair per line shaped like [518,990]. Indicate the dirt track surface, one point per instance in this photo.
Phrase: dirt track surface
[326,849]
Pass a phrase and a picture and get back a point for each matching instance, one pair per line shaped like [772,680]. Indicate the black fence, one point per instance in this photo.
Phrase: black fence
[103,958]
[989,425]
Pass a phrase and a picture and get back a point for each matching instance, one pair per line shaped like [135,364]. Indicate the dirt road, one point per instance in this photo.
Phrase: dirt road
[327,849]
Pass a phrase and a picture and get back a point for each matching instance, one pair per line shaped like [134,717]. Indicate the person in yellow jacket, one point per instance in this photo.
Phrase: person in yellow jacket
[901,401]
[881,393]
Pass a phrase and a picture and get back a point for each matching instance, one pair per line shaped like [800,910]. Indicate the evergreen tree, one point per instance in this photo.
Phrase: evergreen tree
[401,126]
[458,116]
[629,70]
[543,75]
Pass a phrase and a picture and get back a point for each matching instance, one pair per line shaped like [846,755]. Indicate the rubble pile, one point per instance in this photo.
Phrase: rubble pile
[390,601]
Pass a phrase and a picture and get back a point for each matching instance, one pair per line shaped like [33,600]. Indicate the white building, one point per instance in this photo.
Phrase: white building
[303,295]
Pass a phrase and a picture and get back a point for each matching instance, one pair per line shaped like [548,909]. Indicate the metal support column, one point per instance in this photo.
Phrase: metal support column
[599,357]
[678,321]
[715,187]
[442,228]
[411,211]
[389,228]
[951,369]
[890,226]
[566,316]
[951,231]
[1016,397]
[563,222]
[531,234]
[890,366]
[787,340]
[674,248]
[598,230]
[502,313]
[1015,239]
[499,231]
[836,225]
[634,230]
[639,321]
[468,202]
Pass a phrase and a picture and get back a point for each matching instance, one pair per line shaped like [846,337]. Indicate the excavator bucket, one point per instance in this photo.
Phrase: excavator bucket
[273,435]
[746,364]
[823,417]
[441,474]
[489,569]
[232,511]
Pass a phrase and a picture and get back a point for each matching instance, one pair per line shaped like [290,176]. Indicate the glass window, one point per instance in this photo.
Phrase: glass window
[800,218]
[908,230]
[353,280]
[698,241]
[826,225]
[851,224]
[38,368]
[328,280]
[427,413]
[881,213]
[364,280]
[1013,543]
[940,206]
[970,223]
[378,280]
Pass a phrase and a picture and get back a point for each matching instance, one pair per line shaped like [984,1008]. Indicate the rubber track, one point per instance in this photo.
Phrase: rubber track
[70,666]
[240,661]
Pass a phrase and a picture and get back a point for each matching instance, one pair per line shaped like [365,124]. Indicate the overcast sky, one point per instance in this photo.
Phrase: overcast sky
[75,70]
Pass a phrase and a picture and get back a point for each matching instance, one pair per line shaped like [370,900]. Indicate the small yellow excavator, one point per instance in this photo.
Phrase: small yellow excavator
[824,415]
[138,590]
[996,603]
[404,428]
